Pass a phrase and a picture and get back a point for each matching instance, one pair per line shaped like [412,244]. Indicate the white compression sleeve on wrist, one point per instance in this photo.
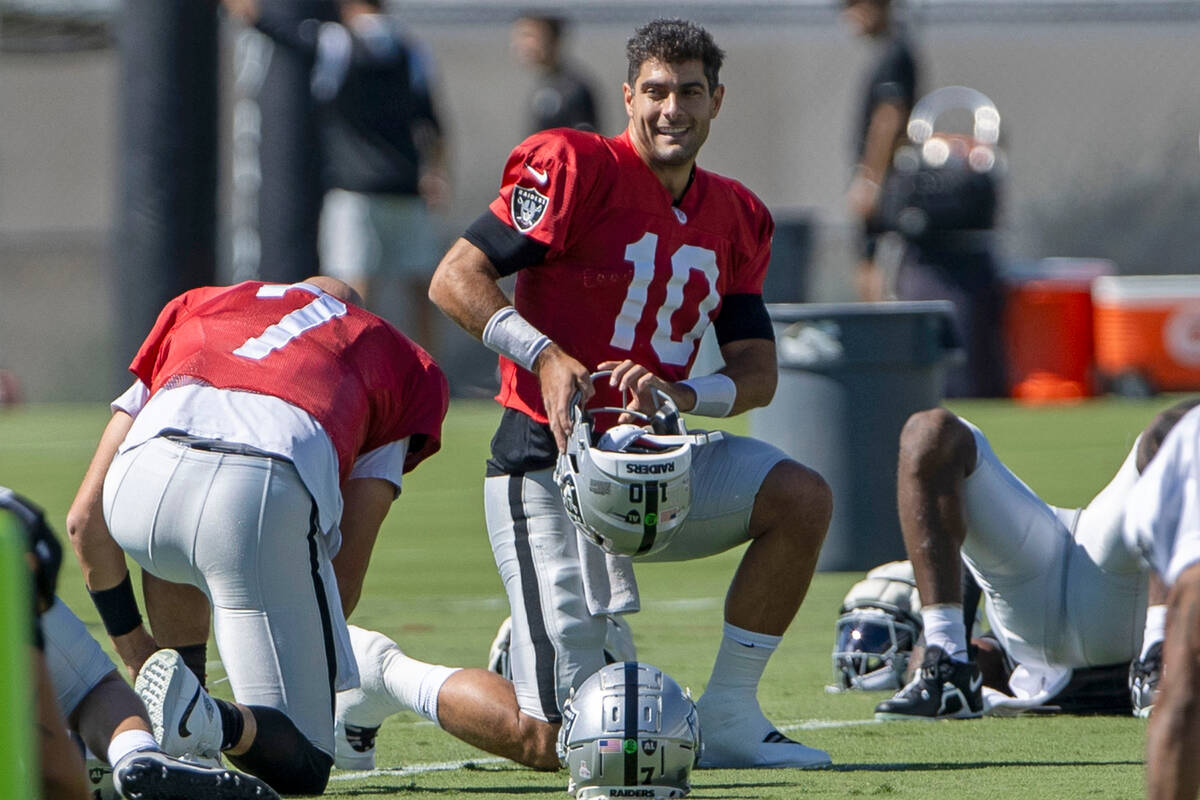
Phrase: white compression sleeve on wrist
[511,335]
[714,394]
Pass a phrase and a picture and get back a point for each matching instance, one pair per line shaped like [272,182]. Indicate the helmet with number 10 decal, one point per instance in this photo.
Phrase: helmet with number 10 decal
[629,489]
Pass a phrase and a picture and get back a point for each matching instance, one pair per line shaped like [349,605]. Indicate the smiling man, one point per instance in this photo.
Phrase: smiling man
[625,251]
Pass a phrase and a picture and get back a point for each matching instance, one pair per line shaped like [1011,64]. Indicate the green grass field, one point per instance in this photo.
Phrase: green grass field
[432,586]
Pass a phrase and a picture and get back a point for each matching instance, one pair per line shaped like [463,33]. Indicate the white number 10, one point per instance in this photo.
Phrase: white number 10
[683,261]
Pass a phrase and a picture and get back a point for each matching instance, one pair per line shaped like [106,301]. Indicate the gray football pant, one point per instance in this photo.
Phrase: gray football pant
[243,530]
[556,643]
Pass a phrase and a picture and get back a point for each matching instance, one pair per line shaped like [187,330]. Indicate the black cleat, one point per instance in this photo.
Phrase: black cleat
[942,689]
[154,775]
[1144,675]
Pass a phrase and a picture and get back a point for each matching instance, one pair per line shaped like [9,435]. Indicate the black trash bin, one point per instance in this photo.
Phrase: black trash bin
[791,258]
[849,376]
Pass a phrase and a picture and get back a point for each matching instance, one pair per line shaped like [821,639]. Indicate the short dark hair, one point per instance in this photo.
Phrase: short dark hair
[673,41]
[553,23]
[1159,427]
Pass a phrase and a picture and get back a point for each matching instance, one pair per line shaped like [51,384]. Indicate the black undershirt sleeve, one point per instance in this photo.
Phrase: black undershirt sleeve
[508,250]
[743,316]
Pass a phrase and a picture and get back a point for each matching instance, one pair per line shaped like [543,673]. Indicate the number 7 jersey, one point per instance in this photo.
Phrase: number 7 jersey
[628,274]
[361,379]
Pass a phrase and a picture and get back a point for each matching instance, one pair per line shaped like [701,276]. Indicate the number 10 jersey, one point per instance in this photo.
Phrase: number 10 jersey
[627,272]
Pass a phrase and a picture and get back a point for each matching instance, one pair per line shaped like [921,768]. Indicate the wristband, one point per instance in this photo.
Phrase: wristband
[118,610]
[511,335]
[714,394]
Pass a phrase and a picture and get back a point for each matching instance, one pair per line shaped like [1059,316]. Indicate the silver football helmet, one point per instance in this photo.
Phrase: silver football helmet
[629,730]
[880,622]
[629,489]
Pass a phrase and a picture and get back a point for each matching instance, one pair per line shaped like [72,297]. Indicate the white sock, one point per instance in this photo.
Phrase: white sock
[414,684]
[740,660]
[127,742]
[944,628]
[1156,628]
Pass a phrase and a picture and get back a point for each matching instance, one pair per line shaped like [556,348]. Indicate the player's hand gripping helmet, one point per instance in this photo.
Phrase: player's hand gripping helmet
[629,730]
[629,489]
[879,624]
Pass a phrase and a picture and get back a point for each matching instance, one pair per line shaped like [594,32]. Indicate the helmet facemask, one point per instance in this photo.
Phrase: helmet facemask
[879,623]
[628,489]
[872,649]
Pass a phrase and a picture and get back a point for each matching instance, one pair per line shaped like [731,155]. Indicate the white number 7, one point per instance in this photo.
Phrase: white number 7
[322,309]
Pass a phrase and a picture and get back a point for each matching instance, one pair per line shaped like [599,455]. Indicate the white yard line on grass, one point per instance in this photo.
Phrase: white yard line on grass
[818,724]
[444,766]
[415,769]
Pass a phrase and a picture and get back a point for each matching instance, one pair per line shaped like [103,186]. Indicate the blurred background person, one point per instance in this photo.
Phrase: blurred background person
[384,152]
[943,201]
[886,98]
[562,96]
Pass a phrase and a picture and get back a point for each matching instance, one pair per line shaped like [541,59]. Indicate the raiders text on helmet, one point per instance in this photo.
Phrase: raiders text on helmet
[629,489]
[629,730]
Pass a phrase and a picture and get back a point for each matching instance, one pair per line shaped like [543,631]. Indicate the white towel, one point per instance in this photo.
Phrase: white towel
[609,585]
[1033,685]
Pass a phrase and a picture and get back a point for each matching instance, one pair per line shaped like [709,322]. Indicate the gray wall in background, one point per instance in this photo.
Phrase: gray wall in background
[1100,121]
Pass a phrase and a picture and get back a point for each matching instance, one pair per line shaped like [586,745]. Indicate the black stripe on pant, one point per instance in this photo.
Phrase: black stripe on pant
[314,530]
[543,649]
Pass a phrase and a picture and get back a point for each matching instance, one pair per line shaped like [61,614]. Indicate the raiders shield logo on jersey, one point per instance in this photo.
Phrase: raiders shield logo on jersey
[527,207]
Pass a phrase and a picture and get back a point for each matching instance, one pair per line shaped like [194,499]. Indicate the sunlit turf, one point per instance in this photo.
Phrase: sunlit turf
[433,587]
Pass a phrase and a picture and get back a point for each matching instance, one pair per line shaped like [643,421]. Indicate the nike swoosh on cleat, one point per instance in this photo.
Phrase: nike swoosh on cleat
[187,712]
[976,682]
[538,175]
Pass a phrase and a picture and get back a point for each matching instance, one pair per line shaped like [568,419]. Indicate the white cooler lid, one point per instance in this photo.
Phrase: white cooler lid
[1150,290]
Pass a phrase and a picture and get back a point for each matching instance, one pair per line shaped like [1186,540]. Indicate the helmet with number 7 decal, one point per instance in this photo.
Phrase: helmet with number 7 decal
[629,489]
[629,730]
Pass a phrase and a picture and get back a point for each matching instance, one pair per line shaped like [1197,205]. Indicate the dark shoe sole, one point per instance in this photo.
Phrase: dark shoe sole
[146,779]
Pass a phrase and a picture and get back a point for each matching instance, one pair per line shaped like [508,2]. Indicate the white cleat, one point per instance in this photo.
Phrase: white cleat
[497,661]
[738,736]
[184,717]
[354,745]
[360,712]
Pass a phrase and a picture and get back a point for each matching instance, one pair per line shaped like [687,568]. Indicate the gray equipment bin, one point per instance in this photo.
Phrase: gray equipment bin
[849,376]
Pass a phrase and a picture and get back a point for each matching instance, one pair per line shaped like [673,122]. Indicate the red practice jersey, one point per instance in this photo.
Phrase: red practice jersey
[363,381]
[628,274]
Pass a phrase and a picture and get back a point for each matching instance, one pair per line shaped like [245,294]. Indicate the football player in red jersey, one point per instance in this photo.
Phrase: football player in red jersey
[258,450]
[625,251]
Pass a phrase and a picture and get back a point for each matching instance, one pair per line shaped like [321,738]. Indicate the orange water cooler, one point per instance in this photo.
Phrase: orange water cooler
[1148,332]
[1048,329]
